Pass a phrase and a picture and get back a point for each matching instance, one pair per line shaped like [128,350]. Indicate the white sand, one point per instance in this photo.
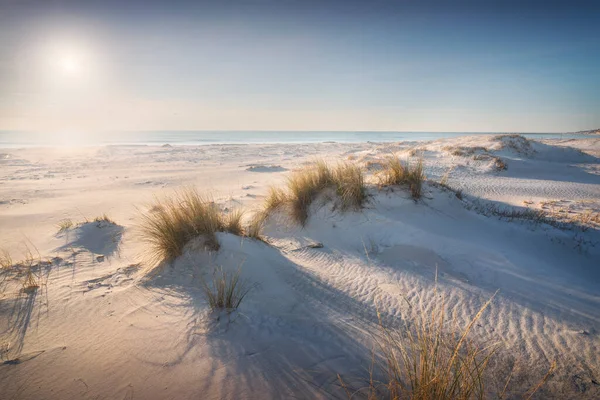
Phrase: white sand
[97,330]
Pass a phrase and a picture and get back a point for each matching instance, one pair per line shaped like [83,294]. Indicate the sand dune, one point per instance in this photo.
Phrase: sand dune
[99,327]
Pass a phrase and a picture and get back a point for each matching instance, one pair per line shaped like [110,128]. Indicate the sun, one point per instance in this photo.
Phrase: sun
[70,64]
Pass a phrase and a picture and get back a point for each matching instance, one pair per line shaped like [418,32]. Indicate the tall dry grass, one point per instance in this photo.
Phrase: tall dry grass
[6,260]
[177,219]
[104,218]
[225,291]
[232,222]
[423,361]
[304,185]
[396,172]
[254,228]
[65,225]
[350,186]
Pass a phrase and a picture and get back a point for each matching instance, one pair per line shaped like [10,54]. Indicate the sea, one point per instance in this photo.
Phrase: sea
[11,139]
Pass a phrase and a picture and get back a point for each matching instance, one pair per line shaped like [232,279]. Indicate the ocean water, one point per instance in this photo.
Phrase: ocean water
[29,139]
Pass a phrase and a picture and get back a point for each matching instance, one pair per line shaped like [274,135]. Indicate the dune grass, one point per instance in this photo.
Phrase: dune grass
[304,185]
[65,225]
[232,222]
[226,291]
[32,280]
[255,226]
[176,220]
[6,260]
[422,361]
[104,218]
[173,221]
[350,186]
[396,172]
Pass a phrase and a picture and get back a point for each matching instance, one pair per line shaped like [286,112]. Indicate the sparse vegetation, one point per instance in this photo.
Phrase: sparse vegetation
[458,193]
[32,281]
[226,291]
[174,221]
[178,219]
[515,142]
[422,361]
[104,218]
[6,260]
[396,172]
[463,151]
[304,185]
[232,222]
[499,164]
[350,184]
[512,213]
[255,226]
[101,221]
[443,183]
[275,199]
[65,225]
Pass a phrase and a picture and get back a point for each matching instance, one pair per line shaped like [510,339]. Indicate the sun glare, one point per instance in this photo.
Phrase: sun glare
[70,64]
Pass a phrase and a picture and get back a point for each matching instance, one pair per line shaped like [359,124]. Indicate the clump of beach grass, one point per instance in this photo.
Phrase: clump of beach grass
[32,281]
[255,226]
[232,222]
[350,186]
[104,218]
[225,291]
[65,225]
[422,361]
[176,220]
[6,260]
[275,199]
[396,172]
[304,185]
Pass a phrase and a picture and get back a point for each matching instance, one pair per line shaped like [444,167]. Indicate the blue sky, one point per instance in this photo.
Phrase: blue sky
[347,65]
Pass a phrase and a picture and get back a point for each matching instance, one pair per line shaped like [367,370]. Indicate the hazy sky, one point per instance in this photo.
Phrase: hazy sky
[299,65]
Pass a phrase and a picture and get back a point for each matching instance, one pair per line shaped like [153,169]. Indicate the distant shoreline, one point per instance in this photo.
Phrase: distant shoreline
[199,138]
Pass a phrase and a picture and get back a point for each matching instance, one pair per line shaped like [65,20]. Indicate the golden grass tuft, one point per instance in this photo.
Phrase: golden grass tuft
[31,283]
[6,260]
[255,226]
[176,220]
[421,361]
[65,225]
[104,218]
[350,186]
[304,185]
[226,291]
[232,222]
[396,172]
[275,199]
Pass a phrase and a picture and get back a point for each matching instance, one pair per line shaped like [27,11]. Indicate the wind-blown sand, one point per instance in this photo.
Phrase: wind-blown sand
[96,329]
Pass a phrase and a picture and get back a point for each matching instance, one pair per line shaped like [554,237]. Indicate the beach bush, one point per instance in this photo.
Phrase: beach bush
[396,172]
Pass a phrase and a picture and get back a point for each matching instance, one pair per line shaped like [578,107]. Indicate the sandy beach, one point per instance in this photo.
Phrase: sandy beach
[99,326]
